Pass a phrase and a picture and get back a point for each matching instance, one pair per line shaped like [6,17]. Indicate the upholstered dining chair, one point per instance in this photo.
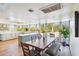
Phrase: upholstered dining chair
[53,49]
[29,52]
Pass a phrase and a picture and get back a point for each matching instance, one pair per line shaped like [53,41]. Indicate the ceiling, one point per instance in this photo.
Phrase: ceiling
[26,6]
[19,12]
[20,9]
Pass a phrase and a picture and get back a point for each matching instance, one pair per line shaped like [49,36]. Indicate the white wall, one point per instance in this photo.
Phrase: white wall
[68,13]
[74,41]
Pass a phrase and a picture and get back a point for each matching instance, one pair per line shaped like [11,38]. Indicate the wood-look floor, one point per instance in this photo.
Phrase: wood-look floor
[10,48]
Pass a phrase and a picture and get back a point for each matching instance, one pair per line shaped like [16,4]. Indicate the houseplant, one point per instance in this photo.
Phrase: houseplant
[32,29]
[65,32]
[56,28]
[19,28]
[43,30]
[25,28]
[49,27]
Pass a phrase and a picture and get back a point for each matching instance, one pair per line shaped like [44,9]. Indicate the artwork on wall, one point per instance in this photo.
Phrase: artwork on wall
[76,23]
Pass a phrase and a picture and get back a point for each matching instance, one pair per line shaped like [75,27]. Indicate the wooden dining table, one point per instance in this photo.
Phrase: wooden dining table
[41,43]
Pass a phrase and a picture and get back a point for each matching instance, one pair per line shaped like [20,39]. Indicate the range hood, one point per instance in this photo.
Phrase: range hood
[51,7]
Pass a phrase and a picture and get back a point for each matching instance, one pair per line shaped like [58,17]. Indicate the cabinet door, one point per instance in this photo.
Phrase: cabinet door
[3,37]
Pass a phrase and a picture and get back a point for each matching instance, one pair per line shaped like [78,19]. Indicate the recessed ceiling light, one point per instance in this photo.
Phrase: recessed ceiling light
[30,10]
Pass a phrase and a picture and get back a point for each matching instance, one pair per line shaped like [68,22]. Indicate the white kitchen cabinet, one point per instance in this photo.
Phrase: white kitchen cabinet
[8,36]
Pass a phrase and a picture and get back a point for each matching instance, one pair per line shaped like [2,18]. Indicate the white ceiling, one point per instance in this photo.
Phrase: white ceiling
[19,12]
[20,9]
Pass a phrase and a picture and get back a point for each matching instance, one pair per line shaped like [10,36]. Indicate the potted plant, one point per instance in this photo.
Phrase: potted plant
[43,31]
[19,28]
[65,32]
[49,27]
[26,29]
[32,29]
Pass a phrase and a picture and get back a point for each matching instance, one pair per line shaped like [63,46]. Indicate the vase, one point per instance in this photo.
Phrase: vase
[44,36]
[64,43]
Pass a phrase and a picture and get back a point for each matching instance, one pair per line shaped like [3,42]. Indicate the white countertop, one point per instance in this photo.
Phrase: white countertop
[6,32]
[27,34]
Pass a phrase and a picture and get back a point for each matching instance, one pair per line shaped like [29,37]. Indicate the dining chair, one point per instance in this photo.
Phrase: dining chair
[29,52]
[53,49]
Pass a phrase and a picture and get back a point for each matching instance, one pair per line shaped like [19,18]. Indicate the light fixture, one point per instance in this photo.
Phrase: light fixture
[30,10]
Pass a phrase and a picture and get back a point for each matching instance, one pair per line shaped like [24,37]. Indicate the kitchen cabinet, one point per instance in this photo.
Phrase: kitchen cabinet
[8,35]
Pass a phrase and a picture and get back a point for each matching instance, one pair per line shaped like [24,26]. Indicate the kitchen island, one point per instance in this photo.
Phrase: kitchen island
[26,37]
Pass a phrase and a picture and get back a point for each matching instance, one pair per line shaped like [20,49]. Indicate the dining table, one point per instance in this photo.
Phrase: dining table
[41,43]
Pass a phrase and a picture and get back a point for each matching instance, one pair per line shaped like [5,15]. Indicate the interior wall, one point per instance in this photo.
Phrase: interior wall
[74,40]
[68,13]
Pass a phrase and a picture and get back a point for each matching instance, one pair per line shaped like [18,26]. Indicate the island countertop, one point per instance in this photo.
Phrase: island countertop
[26,34]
